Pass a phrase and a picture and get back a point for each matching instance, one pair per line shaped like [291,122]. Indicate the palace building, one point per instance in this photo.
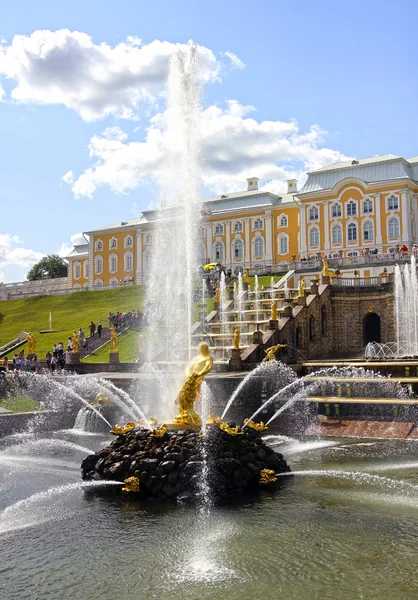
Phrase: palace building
[342,211]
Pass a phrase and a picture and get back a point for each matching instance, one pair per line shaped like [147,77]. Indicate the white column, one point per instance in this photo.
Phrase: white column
[406,221]
[326,225]
[139,256]
[228,243]
[268,248]
[91,261]
[247,240]
[302,215]
[378,220]
[209,244]
[70,274]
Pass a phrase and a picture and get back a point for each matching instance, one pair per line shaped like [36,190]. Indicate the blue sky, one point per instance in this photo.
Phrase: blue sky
[325,80]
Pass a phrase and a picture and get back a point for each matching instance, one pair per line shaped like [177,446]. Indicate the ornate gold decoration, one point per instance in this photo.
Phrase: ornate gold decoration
[74,339]
[267,476]
[190,392]
[370,309]
[121,430]
[31,343]
[101,400]
[231,430]
[246,278]
[302,287]
[237,337]
[159,431]
[274,311]
[257,426]
[114,340]
[326,272]
[218,294]
[132,484]
[212,420]
[271,352]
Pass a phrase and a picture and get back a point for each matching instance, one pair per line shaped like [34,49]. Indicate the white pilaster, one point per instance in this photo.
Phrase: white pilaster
[70,275]
[406,221]
[326,225]
[378,219]
[209,242]
[139,270]
[303,247]
[91,261]
[228,243]
[269,247]
[247,240]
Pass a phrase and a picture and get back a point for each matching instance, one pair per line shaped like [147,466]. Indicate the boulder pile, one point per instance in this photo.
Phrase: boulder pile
[184,465]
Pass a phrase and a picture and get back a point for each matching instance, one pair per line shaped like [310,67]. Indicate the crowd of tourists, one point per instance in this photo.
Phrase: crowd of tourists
[133,318]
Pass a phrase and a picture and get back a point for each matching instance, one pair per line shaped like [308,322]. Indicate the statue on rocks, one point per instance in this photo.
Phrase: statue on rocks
[190,392]
[302,287]
[271,352]
[237,337]
[74,339]
[114,340]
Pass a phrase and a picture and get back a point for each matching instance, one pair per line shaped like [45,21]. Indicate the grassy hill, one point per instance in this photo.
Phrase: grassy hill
[69,312]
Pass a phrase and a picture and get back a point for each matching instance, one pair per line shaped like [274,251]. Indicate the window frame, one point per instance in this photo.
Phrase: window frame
[352,227]
[367,202]
[365,224]
[313,213]
[351,205]
[339,211]
[258,224]
[393,197]
[219,229]
[336,227]
[316,229]
[394,219]
[238,243]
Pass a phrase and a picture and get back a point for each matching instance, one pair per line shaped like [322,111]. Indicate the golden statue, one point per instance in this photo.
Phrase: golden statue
[246,278]
[218,294]
[159,431]
[101,399]
[190,392]
[271,352]
[212,420]
[237,337]
[267,476]
[132,484]
[257,426]
[302,287]
[74,339]
[114,340]
[231,430]
[121,430]
[31,343]
[274,311]
[325,269]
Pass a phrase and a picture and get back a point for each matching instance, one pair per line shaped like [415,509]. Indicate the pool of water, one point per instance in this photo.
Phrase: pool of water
[317,537]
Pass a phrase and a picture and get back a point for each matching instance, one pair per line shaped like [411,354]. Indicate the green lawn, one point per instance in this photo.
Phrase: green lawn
[128,345]
[20,404]
[69,312]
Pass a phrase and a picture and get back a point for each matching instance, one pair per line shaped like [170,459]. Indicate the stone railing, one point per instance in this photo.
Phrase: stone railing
[361,281]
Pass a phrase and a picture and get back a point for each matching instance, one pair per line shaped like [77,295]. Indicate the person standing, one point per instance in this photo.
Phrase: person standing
[69,343]
[80,337]
[99,330]
[92,329]
[5,364]
[48,358]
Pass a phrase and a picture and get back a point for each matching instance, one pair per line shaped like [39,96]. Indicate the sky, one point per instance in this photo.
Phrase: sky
[288,87]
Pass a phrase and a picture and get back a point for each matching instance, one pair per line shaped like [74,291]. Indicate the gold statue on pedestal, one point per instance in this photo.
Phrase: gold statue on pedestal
[114,340]
[218,294]
[74,339]
[237,337]
[274,311]
[246,278]
[31,343]
[302,287]
[190,392]
[271,352]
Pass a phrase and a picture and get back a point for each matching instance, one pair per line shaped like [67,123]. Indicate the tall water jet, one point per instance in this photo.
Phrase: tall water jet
[174,223]
[406,309]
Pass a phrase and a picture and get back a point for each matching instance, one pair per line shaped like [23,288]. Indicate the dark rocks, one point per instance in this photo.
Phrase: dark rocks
[172,466]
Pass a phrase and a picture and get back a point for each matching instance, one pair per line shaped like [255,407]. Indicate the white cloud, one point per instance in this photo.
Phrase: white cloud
[12,254]
[236,62]
[235,146]
[95,80]
[2,93]
[76,239]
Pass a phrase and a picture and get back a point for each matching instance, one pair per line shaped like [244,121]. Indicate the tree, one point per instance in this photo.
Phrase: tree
[49,267]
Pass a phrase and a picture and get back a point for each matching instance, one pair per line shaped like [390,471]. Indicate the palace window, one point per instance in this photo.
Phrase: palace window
[258,224]
[113,263]
[98,267]
[314,236]
[77,270]
[393,202]
[283,221]
[219,229]
[352,253]
[129,241]
[352,232]
[219,251]
[113,281]
[202,253]
[238,227]
[259,247]
[238,249]
[283,244]
[368,231]
[98,282]
[314,213]
[99,245]
[367,206]
[85,269]
[128,261]
[202,231]
[337,234]
[336,210]
[393,226]
[148,238]
[351,208]
[113,243]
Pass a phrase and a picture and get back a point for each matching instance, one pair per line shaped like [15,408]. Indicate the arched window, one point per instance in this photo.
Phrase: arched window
[336,210]
[283,221]
[311,327]
[337,234]
[128,261]
[314,236]
[393,227]
[314,213]
[352,232]
[258,224]
[113,281]
[324,324]
[85,269]
[113,243]
[99,245]
[351,208]
[259,247]
[238,227]
[98,267]
[77,270]
[219,251]
[98,282]
[238,249]
[113,263]
[129,241]
[283,244]
[219,229]
[368,231]
[367,206]
[393,202]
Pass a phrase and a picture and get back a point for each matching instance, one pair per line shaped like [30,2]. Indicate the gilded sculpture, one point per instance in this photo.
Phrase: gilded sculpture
[74,340]
[246,278]
[31,343]
[200,366]
[231,430]
[257,426]
[302,287]
[121,430]
[212,420]
[114,340]
[159,431]
[218,294]
[237,337]
[132,484]
[271,352]
[274,311]
[267,476]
